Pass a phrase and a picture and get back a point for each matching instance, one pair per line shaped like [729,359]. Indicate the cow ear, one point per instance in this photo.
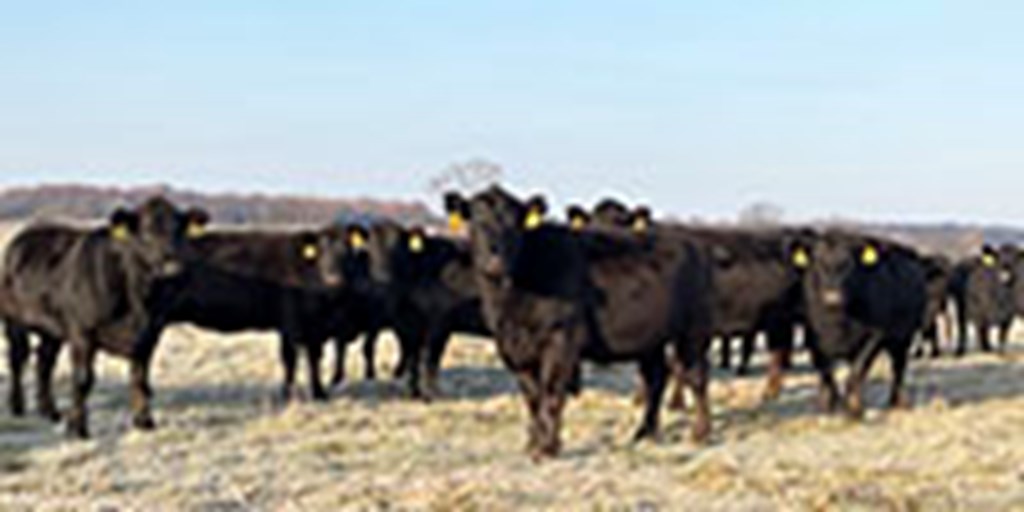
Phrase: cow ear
[869,255]
[123,224]
[457,209]
[800,257]
[988,256]
[536,209]
[356,237]
[416,240]
[196,221]
[641,219]
[578,218]
[309,246]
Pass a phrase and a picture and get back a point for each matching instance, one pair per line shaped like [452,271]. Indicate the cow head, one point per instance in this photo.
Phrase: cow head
[156,233]
[612,212]
[831,263]
[457,210]
[499,223]
[339,254]
[577,217]
[1000,263]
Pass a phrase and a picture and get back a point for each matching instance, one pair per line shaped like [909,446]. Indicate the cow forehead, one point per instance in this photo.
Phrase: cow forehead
[158,208]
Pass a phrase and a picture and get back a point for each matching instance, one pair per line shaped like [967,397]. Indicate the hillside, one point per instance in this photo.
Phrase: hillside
[87,202]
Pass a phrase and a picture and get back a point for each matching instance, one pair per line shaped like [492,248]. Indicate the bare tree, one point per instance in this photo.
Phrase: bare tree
[467,176]
[761,214]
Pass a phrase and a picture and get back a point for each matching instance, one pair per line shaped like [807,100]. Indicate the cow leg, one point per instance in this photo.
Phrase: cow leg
[340,358]
[1004,336]
[436,346]
[529,385]
[828,393]
[654,372]
[961,323]
[288,361]
[929,336]
[726,353]
[858,374]
[746,353]
[575,387]
[18,351]
[984,332]
[83,356]
[370,355]
[46,356]
[695,362]
[780,345]
[677,396]
[559,361]
[314,356]
[141,390]
[898,359]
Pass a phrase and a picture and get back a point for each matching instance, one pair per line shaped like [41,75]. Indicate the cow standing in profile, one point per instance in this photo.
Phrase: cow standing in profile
[91,289]
[755,288]
[553,297]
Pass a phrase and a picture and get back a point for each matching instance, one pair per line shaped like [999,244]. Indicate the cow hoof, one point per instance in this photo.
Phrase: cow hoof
[701,433]
[77,431]
[677,403]
[645,433]
[17,409]
[144,423]
[50,414]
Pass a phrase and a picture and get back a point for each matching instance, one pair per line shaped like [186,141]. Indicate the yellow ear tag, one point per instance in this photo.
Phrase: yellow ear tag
[119,232]
[455,221]
[356,240]
[801,259]
[534,218]
[869,256]
[195,230]
[988,260]
[640,224]
[577,223]
[416,243]
[310,252]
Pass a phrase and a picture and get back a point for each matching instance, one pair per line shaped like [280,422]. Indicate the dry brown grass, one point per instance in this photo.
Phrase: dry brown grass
[224,444]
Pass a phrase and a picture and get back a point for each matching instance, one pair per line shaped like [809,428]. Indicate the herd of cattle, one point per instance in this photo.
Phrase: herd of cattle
[607,285]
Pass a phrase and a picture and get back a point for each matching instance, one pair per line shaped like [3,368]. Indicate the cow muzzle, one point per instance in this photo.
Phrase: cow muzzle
[171,268]
[494,268]
[832,298]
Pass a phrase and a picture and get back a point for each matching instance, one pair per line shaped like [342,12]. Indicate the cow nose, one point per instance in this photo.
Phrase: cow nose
[494,267]
[832,298]
[171,268]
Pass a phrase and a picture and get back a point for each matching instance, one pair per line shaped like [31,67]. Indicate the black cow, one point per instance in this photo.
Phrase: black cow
[755,288]
[426,284]
[553,296]
[862,295]
[266,281]
[91,289]
[938,271]
[982,290]
[1014,258]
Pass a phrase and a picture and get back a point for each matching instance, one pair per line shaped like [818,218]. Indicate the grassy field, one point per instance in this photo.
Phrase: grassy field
[224,443]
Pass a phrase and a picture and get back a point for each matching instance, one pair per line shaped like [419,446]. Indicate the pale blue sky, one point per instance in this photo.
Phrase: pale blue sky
[877,109]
